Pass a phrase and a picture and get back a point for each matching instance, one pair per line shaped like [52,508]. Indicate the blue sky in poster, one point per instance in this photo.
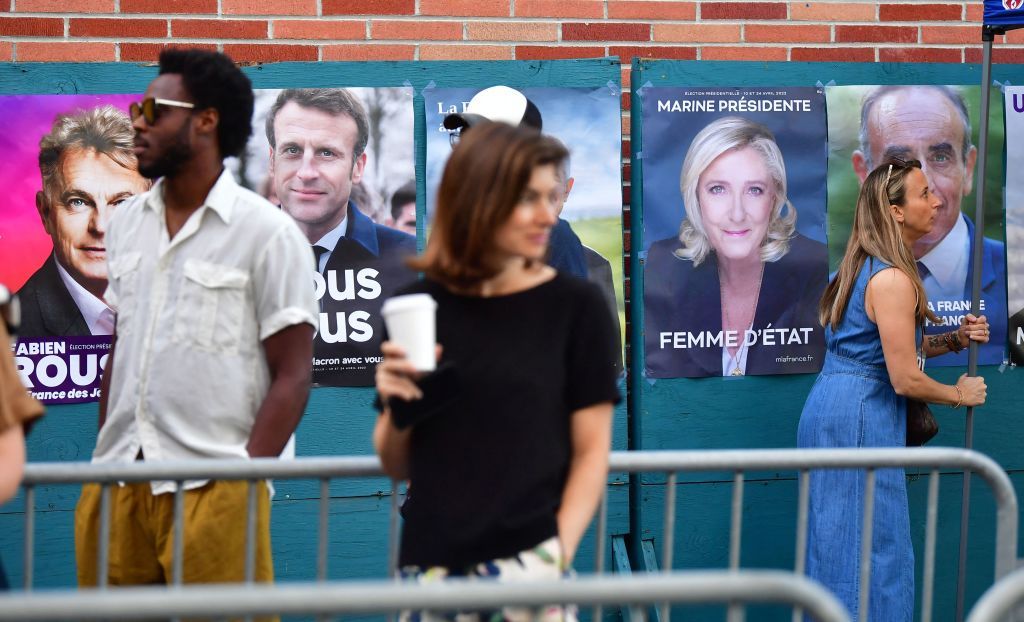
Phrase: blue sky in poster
[801,136]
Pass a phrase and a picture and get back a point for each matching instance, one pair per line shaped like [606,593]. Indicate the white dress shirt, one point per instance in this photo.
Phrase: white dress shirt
[98,316]
[329,241]
[189,371]
[947,264]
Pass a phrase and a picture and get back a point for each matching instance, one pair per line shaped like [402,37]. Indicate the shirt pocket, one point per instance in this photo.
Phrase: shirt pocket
[211,306]
[124,277]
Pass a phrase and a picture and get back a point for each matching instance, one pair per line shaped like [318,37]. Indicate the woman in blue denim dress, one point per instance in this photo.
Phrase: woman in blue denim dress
[872,311]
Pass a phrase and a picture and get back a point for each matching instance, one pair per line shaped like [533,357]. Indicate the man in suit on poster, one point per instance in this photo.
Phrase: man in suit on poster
[931,124]
[87,169]
[318,140]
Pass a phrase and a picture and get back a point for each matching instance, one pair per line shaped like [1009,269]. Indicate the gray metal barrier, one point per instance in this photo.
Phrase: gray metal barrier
[774,587]
[670,463]
[110,474]
[803,461]
[999,601]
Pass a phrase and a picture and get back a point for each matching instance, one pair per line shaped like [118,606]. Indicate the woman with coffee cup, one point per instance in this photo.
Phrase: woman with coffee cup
[506,445]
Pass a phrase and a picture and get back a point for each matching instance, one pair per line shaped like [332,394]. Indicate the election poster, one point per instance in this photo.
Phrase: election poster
[734,251]
[340,162]
[937,125]
[586,241]
[1014,97]
[68,165]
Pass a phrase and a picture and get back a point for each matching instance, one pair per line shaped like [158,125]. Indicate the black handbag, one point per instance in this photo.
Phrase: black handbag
[921,424]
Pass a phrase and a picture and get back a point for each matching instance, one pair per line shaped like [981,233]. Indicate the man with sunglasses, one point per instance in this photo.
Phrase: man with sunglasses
[213,337]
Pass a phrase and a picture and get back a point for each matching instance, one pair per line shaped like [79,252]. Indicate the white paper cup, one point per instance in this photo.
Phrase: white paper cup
[410,321]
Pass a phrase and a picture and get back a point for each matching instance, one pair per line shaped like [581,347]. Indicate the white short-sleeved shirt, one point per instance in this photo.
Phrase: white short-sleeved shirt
[189,368]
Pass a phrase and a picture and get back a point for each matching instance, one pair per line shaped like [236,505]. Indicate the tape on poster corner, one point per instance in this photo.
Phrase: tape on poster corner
[1002,85]
[645,85]
[639,155]
[407,84]
[822,85]
[614,88]
[429,87]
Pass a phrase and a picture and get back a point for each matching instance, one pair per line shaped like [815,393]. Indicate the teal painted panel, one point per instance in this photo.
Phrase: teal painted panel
[764,411]
[338,421]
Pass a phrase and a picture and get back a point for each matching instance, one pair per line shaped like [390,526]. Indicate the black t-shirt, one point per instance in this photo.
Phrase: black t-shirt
[486,476]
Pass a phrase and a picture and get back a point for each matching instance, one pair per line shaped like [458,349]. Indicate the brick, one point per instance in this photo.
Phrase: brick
[759,33]
[743,10]
[554,52]
[625,53]
[65,6]
[833,54]
[743,53]
[369,7]
[999,55]
[369,52]
[638,9]
[150,52]
[319,29]
[257,53]
[512,31]
[218,29]
[602,31]
[625,75]
[950,34]
[121,28]
[415,30]
[920,55]
[876,34]
[559,8]
[465,52]
[832,11]
[975,12]
[32,26]
[697,33]
[51,51]
[1012,37]
[466,8]
[6,51]
[917,13]
[268,7]
[169,6]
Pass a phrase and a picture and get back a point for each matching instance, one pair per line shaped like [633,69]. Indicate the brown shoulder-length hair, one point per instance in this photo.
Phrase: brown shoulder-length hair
[482,183]
[875,234]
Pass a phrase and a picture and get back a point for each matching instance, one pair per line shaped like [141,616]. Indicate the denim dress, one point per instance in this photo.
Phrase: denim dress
[853,404]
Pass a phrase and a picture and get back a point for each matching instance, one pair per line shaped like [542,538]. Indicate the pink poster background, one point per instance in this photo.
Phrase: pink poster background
[24,119]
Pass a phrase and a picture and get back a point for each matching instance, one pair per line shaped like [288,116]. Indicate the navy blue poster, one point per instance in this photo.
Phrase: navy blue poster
[735,259]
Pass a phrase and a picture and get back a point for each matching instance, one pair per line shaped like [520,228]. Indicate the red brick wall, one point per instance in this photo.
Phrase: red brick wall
[310,30]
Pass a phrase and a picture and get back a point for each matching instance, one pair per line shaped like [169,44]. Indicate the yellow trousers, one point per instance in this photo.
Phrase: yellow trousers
[142,534]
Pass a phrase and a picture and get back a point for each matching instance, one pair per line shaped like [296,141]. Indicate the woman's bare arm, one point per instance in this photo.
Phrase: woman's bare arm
[591,437]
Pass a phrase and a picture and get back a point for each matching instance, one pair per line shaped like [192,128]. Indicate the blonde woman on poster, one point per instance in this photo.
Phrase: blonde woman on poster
[738,274]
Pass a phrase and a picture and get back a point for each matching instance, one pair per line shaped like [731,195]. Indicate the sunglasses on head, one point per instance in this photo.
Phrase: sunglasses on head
[149,108]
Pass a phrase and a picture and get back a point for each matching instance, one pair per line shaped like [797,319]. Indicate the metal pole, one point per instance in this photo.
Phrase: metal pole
[972,354]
